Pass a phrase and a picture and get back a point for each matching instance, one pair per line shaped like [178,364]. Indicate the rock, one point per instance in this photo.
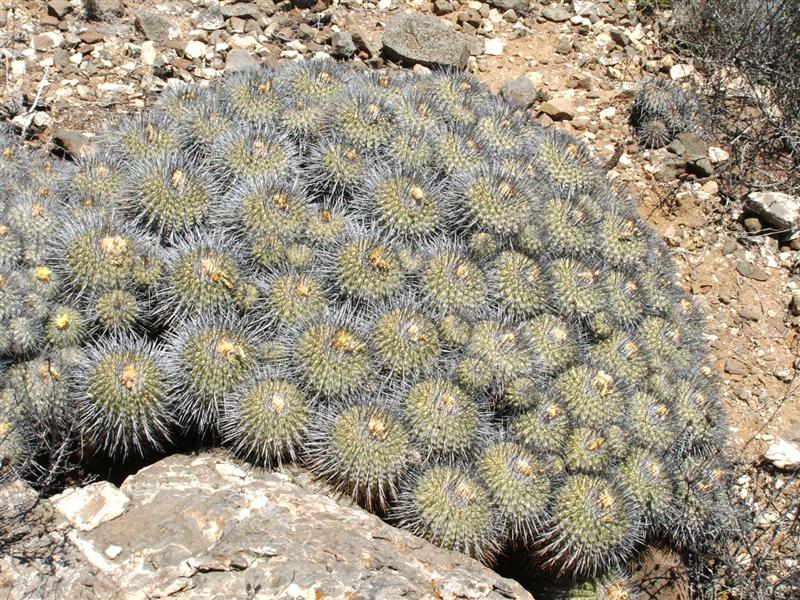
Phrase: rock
[149,54]
[493,46]
[784,454]
[245,10]
[520,91]
[195,49]
[239,59]
[717,155]
[750,271]
[520,7]
[203,526]
[794,304]
[559,108]
[564,45]
[59,8]
[442,7]
[733,368]
[104,9]
[89,506]
[91,36]
[72,142]
[365,39]
[680,71]
[752,225]
[701,167]
[779,210]
[416,38]
[693,146]
[154,27]
[210,20]
[557,14]
[46,41]
[620,37]
[342,44]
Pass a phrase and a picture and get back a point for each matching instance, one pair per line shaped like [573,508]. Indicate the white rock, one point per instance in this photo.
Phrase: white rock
[149,53]
[494,47]
[207,73]
[195,49]
[41,119]
[717,155]
[783,454]
[384,4]
[297,45]
[86,507]
[18,68]
[242,41]
[608,113]
[76,58]
[495,16]
[680,71]
[112,551]
[782,211]
[115,88]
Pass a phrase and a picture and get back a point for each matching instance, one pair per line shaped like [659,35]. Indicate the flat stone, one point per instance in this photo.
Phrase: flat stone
[752,225]
[207,526]
[342,44]
[694,147]
[154,27]
[520,91]
[47,41]
[109,8]
[149,53]
[557,14]
[89,506]
[209,20]
[59,8]
[564,45]
[784,454]
[680,71]
[73,142]
[416,38]
[520,7]
[494,47]
[442,7]
[91,36]
[195,49]
[779,210]
[239,59]
[559,108]
[620,37]
[733,368]
[242,10]
[750,271]
[717,155]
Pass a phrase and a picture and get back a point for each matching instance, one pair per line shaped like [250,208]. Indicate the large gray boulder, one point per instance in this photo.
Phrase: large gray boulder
[208,526]
[413,38]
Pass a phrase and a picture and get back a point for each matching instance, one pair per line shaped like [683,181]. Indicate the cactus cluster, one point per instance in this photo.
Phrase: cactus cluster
[440,307]
[662,109]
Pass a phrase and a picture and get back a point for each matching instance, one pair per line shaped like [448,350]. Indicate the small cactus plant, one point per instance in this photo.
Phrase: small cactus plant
[662,110]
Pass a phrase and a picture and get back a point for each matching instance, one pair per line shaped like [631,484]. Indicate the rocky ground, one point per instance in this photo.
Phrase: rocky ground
[71,67]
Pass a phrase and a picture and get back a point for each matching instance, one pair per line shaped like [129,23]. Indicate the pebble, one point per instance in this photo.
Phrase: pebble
[520,91]
[752,225]
[557,14]
[608,113]
[750,271]
[559,108]
[239,59]
[717,155]
[780,210]
[784,454]
[195,49]
[494,47]
[342,44]
[680,71]
[733,368]
[148,54]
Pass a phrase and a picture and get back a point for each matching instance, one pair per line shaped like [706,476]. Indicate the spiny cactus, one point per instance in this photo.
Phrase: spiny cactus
[442,308]
[662,110]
